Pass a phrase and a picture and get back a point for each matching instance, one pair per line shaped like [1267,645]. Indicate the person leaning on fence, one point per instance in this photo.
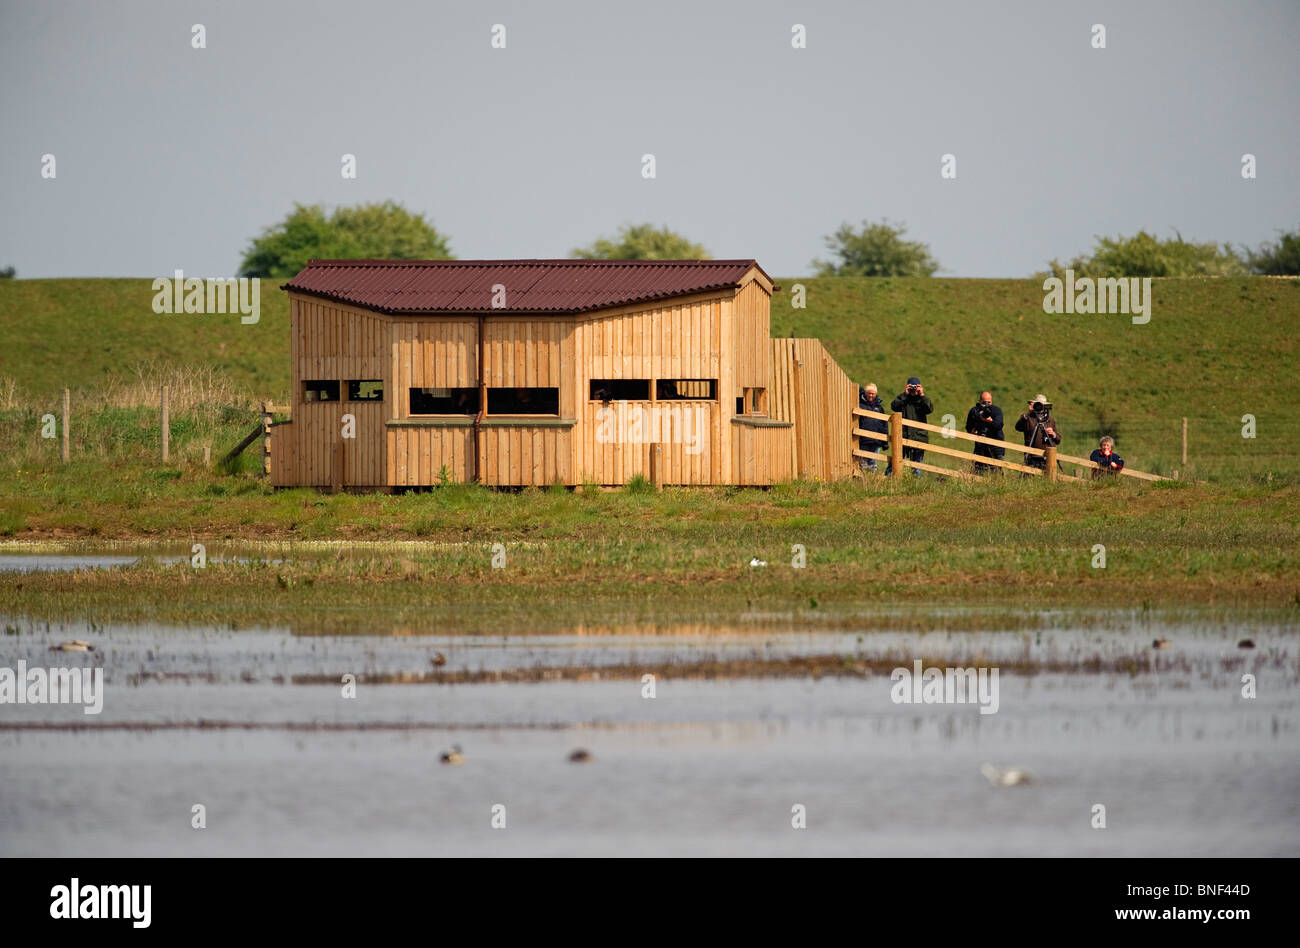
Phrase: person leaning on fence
[1039,428]
[915,405]
[1107,461]
[985,419]
[869,400]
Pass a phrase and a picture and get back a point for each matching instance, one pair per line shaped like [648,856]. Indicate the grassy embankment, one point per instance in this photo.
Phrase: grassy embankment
[1213,351]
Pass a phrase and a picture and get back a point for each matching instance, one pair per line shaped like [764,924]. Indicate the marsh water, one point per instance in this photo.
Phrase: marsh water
[254,726]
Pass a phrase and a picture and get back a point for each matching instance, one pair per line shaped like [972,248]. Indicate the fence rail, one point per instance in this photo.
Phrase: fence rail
[896,442]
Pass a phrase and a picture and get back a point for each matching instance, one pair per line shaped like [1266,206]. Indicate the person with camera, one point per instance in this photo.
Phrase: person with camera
[985,420]
[1039,428]
[869,400]
[1107,461]
[915,405]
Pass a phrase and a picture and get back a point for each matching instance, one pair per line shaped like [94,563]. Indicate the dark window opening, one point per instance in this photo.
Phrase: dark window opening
[673,390]
[740,405]
[444,401]
[620,390]
[365,390]
[523,401]
[320,390]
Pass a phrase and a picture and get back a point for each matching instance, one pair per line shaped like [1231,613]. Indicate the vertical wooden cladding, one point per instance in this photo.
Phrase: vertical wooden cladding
[528,353]
[753,330]
[670,339]
[335,341]
[810,389]
[442,352]
[761,456]
[283,446]
[433,352]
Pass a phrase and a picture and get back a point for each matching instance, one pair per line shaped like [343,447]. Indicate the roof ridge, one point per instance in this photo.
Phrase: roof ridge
[525,261]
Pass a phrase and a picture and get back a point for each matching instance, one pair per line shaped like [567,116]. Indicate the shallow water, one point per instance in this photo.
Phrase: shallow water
[1182,762]
[60,562]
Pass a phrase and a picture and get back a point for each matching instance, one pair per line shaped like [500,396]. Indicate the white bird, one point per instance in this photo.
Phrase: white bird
[1008,777]
[757,562]
[76,645]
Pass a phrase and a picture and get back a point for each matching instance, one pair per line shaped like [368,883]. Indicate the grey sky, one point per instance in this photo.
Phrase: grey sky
[170,157]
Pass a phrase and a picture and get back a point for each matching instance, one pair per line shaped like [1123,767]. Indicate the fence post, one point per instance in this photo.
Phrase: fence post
[207,456]
[1051,462]
[266,439]
[1184,442]
[896,442]
[166,427]
[657,466]
[67,412]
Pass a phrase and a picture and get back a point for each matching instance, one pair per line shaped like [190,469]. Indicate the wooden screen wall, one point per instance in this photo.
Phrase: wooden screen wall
[529,353]
[338,343]
[809,388]
[442,352]
[679,339]
[753,333]
[437,352]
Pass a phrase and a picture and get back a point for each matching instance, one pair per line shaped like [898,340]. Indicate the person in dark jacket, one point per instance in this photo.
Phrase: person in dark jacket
[985,420]
[1107,461]
[915,405]
[869,400]
[1039,428]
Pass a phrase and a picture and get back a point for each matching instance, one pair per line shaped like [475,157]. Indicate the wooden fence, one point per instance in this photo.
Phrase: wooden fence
[896,443]
[812,391]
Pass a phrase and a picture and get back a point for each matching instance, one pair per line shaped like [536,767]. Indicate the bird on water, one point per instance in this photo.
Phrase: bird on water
[1005,777]
[453,756]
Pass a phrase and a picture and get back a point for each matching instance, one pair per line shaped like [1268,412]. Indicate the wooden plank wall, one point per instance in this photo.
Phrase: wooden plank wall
[677,339]
[430,353]
[762,456]
[442,352]
[809,388]
[282,451]
[417,455]
[333,341]
[753,367]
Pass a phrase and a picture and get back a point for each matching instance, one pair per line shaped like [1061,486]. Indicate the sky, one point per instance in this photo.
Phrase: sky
[170,157]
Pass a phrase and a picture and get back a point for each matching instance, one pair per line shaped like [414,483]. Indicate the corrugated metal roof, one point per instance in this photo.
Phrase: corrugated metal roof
[531,286]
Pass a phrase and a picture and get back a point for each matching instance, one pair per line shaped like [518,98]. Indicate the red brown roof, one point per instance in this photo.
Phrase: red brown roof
[531,286]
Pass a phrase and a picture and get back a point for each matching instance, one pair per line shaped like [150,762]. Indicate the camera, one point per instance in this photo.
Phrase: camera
[1039,406]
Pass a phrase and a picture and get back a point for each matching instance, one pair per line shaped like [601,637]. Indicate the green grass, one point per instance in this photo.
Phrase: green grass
[79,334]
[1213,351]
[1024,545]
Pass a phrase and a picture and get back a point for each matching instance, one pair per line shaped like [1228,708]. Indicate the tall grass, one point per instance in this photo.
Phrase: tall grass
[119,420]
